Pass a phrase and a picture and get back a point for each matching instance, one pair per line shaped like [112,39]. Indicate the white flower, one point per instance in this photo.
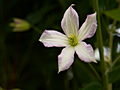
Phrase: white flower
[118,48]
[73,38]
[118,32]
[106,54]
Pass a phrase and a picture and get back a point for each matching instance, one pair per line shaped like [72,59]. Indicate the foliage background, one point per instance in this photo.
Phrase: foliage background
[26,64]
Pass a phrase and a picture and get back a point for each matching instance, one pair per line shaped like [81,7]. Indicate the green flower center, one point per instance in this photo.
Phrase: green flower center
[72,39]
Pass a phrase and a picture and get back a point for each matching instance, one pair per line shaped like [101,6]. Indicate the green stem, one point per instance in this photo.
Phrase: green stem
[36,29]
[111,40]
[100,44]
[111,45]
[113,64]
[96,73]
[115,61]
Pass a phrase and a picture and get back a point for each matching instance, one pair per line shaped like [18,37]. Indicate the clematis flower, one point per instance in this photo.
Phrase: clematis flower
[72,40]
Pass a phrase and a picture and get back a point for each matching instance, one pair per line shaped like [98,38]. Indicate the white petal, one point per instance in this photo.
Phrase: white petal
[85,52]
[70,21]
[106,51]
[52,38]
[106,54]
[66,58]
[118,30]
[97,55]
[118,48]
[88,28]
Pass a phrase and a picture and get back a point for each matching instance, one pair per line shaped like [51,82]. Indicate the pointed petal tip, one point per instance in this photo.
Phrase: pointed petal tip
[71,8]
[40,40]
[72,5]
[94,61]
[58,72]
[92,15]
[70,21]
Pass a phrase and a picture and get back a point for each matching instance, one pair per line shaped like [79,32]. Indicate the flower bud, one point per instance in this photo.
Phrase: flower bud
[20,25]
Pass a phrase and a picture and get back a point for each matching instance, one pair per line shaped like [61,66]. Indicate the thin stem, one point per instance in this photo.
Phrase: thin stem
[111,40]
[115,61]
[112,65]
[111,45]
[100,44]
[96,73]
[36,29]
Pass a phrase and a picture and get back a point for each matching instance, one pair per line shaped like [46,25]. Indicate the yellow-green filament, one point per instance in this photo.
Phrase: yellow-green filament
[72,39]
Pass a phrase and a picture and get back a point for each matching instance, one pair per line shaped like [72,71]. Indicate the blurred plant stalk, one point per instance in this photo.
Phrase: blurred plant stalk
[106,84]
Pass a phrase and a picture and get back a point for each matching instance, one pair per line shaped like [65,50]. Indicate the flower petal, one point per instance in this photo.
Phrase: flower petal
[85,52]
[52,38]
[70,21]
[66,58]
[106,54]
[88,28]
[97,54]
[117,32]
[118,48]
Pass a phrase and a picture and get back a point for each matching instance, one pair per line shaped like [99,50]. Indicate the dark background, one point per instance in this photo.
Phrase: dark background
[26,64]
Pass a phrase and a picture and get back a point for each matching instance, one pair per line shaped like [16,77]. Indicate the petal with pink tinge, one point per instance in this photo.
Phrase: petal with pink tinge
[88,28]
[51,38]
[70,22]
[85,52]
[66,58]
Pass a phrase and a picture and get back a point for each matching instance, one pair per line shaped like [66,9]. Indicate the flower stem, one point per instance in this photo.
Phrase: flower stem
[36,29]
[100,45]
[96,73]
[115,61]
[111,40]
[110,46]
[112,65]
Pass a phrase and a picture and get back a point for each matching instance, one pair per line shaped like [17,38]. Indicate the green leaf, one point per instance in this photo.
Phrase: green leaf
[114,75]
[114,14]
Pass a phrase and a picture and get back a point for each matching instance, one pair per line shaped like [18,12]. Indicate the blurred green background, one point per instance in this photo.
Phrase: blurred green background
[26,64]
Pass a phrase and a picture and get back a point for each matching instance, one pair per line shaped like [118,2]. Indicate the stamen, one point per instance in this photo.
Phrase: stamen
[73,41]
